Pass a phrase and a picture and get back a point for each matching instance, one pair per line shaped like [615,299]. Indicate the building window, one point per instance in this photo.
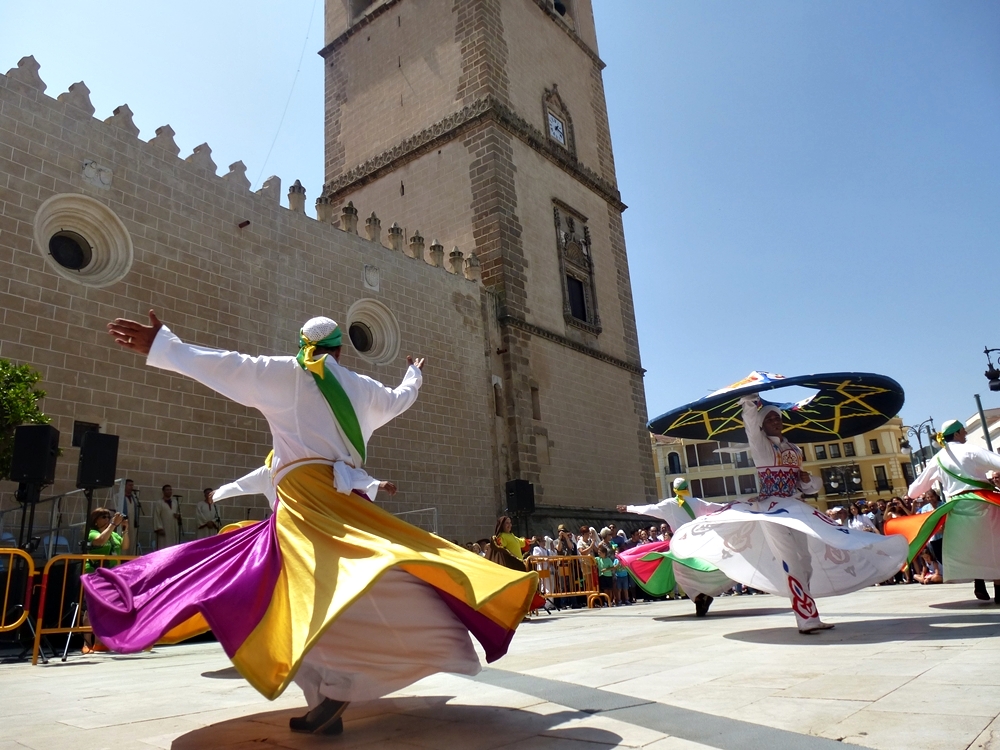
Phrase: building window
[536,403]
[708,455]
[497,400]
[820,453]
[743,460]
[696,488]
[577,298]
[82,428]
[674,464]
[874,446]
[558,123]
[692,455]
[834,450]
[849,450]
[908,474]
[713,487]
[748,484]
[577,267]
[730,487]
[882,482]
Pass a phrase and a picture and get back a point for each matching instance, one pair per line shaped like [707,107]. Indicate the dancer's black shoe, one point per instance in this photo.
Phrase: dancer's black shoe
[701,604]
[979,589]
[324,719]
[996,593]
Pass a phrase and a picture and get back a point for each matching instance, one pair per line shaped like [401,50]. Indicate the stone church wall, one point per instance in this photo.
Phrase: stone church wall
[219,284]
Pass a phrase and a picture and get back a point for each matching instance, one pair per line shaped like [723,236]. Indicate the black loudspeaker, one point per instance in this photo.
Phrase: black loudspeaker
[36,448]
[520,496]
[98,461]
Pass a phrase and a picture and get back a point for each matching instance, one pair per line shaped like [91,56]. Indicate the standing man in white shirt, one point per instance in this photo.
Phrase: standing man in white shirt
[166,514]
[206,517]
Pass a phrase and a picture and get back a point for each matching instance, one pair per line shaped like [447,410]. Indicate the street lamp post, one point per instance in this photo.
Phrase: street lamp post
[846,479]
[927,424]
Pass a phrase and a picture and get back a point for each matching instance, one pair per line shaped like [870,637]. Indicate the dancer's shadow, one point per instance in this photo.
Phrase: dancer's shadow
[401,722]
[969,604]
[229,673]
[930,627]
[727,614]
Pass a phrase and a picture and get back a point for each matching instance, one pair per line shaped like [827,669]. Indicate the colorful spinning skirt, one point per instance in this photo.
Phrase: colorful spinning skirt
[269,591]
[658,571]
[842,560]
[971,542]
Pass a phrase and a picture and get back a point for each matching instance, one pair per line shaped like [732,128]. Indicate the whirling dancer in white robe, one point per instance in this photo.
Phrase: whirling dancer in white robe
[702,586]
[968,478]
[776,542]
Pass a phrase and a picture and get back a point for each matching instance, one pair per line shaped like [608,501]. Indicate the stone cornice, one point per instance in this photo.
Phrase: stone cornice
[481,110]
[355,28]
[523,325]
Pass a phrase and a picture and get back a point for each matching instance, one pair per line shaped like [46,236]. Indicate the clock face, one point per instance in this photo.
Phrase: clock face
[557,129]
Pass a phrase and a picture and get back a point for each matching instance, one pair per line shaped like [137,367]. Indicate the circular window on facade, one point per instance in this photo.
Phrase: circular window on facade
[373,331]
[83,240]
[70,250]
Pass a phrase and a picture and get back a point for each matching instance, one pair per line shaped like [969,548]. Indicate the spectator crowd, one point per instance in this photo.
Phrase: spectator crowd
[605,545]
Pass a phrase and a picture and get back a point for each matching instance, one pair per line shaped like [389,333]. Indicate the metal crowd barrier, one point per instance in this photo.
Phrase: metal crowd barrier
[70,597]
[16,605]
[566,576]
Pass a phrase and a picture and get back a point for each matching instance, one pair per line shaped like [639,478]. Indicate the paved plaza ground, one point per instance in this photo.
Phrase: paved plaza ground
[906,667]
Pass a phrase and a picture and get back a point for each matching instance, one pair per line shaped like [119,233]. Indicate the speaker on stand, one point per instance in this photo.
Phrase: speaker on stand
[33,465]
[96,469]
[521,502]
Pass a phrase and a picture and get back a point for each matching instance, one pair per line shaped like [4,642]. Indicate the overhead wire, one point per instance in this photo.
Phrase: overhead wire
[281,122]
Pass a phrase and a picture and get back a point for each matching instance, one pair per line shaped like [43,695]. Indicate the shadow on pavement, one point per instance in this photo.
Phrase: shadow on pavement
[229,673]
[728,614]
[401,722]
[969,604]
[932,627]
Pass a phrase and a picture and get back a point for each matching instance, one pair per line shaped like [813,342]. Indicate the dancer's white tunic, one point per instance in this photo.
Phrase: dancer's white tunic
[693,582]
[369,650]
[971,543]
[781,545]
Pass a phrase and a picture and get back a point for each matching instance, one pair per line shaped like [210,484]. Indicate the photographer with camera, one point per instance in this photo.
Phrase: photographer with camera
[104,539]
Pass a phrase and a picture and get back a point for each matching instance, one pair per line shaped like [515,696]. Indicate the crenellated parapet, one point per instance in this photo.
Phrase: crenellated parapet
[75,101]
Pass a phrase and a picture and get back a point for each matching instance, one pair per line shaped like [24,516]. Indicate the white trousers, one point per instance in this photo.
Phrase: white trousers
[392,636]
[792,550]
[695,582]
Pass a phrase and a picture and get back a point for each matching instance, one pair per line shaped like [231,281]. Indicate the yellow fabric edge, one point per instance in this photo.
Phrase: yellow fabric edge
[269,649]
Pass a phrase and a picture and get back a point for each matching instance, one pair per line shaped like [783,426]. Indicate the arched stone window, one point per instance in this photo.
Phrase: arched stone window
[577,269]
[674,463]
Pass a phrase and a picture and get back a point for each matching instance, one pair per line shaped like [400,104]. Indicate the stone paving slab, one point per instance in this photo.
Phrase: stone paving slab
[907,667]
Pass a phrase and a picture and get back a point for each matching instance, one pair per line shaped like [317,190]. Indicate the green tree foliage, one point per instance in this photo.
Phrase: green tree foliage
[18,405]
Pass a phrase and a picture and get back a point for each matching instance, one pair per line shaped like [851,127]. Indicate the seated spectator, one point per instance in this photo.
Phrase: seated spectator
[931,502]
[931,572]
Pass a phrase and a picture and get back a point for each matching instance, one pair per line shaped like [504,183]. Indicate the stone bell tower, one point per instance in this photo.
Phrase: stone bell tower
[485,121]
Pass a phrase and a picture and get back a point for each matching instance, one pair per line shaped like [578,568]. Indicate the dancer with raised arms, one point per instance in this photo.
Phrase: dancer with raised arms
[314,593]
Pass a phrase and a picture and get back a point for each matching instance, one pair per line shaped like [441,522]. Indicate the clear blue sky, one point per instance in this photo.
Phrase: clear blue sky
[812,186]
